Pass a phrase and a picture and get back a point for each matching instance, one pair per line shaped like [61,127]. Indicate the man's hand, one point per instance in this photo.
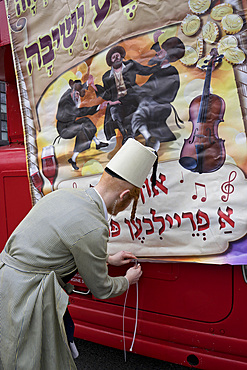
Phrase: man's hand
[120,258]
[114,102]
[90,82]
[103,105]
[133,274]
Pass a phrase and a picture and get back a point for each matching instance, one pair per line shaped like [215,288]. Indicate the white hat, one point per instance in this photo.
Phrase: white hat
[133,162]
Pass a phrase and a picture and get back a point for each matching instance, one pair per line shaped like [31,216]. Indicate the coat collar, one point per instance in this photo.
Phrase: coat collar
[95,196]
[112,70]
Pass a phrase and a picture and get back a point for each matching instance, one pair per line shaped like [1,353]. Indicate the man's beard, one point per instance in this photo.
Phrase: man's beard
[76,100]
[154,60]
[117,64]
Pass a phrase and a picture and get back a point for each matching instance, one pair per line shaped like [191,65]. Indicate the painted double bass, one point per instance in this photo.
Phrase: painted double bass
[204,151]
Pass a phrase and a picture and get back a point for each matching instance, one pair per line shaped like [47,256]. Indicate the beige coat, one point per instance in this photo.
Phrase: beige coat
[65,231]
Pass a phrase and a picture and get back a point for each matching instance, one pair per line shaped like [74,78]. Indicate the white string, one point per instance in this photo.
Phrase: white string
[134,336]
[244,273]
[126,295]
[136,319]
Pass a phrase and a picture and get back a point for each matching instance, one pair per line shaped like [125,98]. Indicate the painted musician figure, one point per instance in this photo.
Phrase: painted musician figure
[65,232]
[157,93]
[71,120]
[118,90]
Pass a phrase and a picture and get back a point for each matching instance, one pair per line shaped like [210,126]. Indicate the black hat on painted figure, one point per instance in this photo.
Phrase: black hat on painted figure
[78,82]
[156,47]
[174,47]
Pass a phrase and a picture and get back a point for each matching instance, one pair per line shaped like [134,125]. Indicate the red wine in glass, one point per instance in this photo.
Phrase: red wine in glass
[49,164]
[36,178]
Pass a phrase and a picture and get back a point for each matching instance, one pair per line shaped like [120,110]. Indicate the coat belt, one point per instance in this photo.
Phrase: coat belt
[24,267]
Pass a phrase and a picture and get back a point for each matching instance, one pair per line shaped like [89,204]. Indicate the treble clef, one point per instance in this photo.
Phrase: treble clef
[227,187]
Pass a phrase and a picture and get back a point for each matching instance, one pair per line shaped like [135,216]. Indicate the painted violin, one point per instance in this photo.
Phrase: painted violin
[204,151]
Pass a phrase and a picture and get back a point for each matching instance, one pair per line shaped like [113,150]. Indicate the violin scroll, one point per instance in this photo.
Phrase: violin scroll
[214,60]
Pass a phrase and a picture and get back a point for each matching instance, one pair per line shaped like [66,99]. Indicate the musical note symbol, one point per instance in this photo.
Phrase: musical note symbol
[194,197]
[227,187]
[182,179]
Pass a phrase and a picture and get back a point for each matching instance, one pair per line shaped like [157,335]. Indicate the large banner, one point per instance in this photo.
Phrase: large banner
[172,75]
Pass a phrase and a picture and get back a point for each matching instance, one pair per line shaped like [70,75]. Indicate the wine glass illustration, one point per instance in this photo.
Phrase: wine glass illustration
[49,164]
[36,178]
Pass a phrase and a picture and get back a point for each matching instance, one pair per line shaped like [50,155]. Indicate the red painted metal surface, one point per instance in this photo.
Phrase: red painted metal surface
[4,32]
[15,199]
[4,43]
[216,345]
[213,302]
[190,314]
